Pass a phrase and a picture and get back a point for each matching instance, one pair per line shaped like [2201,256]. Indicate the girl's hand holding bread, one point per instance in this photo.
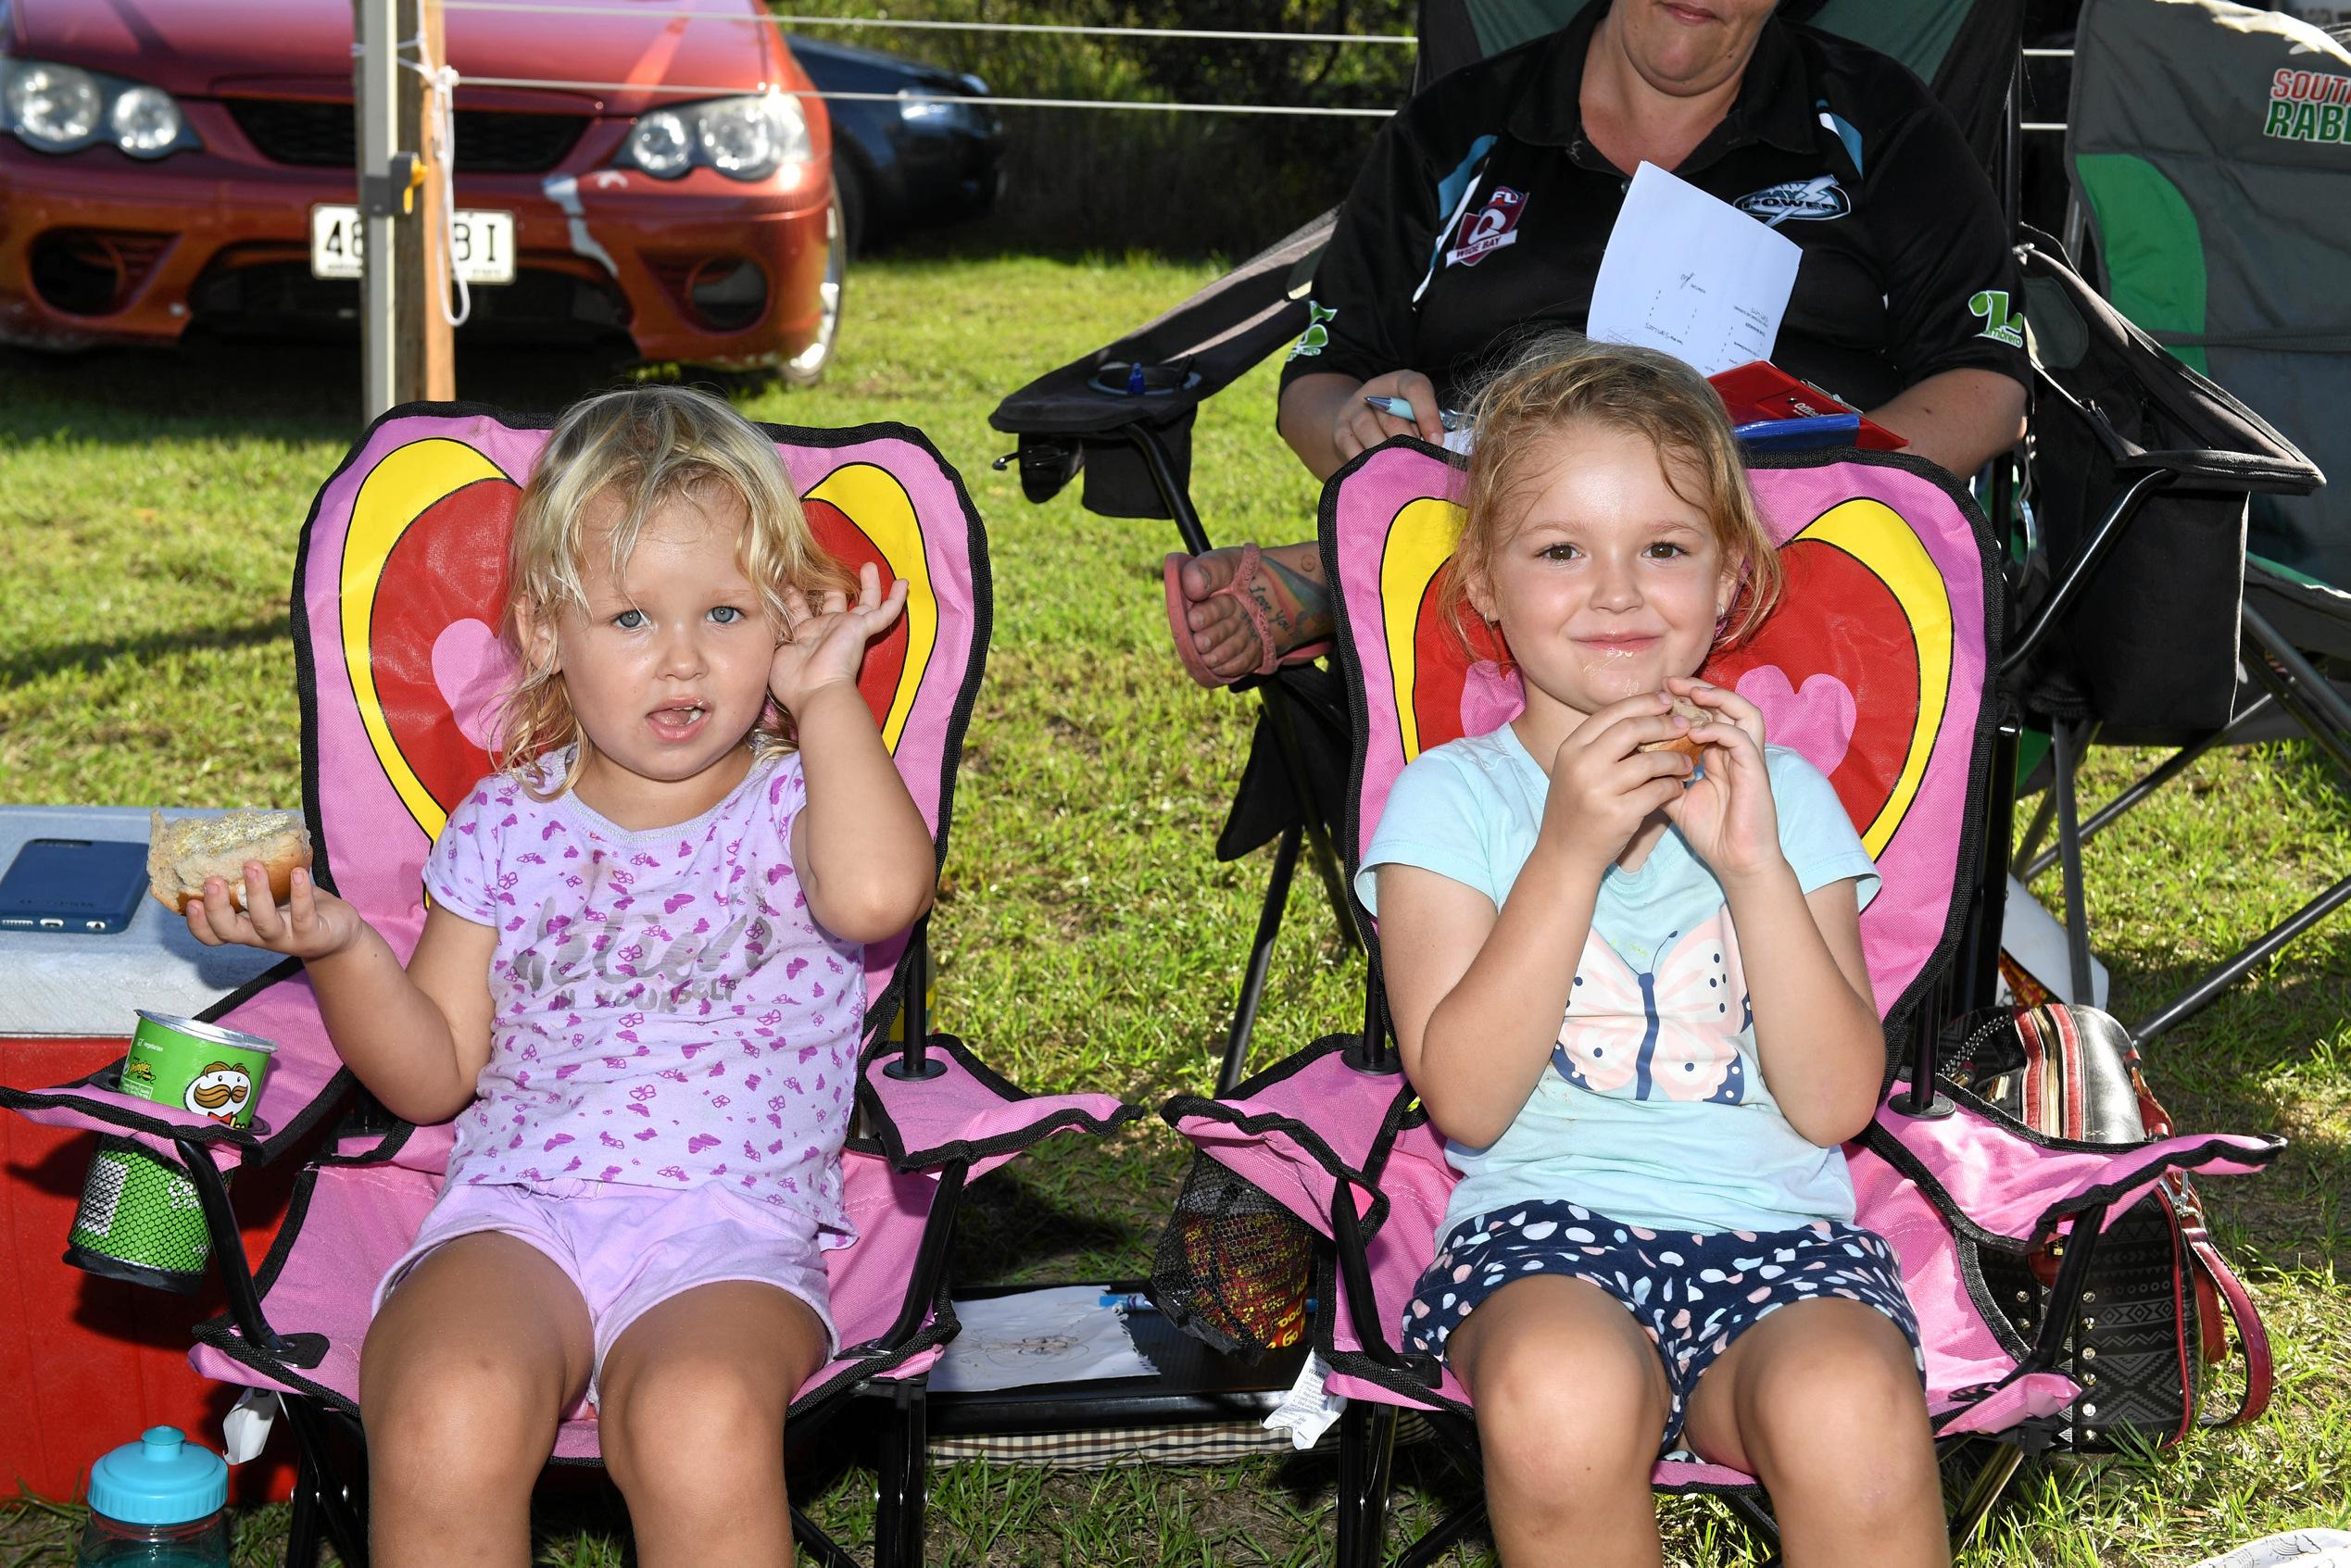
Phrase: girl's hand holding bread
[313,924]
[1726,815]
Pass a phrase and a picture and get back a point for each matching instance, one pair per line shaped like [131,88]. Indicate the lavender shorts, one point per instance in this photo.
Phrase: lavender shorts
[629,1249]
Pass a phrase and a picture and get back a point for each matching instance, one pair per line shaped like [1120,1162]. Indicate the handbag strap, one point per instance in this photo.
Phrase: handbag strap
[2259,1373]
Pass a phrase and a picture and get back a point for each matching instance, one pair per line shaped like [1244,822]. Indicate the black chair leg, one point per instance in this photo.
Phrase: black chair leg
[323,1502]
[302,1532]
[1748,1508]
[1986,1490]
[1367,1457]
[1261,959]
[2067,740]
[905,1482]
[816,1547]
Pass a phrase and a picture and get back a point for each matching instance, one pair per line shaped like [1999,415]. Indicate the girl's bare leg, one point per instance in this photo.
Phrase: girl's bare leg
[691,1405]
[464,1376]
[1820,1402]
[1571,1403]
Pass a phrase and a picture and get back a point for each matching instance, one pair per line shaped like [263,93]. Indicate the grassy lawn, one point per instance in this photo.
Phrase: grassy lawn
[148,513]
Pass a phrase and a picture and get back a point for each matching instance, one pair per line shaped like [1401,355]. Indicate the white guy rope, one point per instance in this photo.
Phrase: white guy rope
[553,8]
[991,102]
[440,118]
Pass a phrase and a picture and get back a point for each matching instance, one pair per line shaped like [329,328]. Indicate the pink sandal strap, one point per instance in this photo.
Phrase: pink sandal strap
[1244,578]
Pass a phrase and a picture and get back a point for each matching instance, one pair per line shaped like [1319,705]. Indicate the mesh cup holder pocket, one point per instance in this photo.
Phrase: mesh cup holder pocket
[1233,1265]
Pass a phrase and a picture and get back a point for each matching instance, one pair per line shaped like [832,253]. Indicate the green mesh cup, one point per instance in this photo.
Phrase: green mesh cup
[140,1219]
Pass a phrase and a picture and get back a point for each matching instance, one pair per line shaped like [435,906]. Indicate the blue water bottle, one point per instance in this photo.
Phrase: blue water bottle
[160,1502]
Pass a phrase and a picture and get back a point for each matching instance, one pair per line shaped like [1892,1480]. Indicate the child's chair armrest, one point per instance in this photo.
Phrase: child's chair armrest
[96,1104]
[961,1113]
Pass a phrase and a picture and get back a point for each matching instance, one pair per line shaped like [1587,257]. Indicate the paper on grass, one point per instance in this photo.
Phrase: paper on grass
[1063,1334]
[1692,275]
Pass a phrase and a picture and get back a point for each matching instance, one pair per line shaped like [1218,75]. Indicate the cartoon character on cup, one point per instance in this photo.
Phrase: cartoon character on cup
[221,1092]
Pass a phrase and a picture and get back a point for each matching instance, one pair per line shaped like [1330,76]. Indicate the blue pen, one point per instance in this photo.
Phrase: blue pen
[1401,409]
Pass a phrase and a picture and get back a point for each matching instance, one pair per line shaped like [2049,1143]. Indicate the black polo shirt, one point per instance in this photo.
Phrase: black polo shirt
[1483,211]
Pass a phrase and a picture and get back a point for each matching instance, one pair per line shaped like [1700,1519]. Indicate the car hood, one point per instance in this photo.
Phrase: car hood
[824,57]
[299,47]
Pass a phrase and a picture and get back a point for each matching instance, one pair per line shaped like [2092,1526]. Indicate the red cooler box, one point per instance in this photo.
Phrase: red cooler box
[87,1363]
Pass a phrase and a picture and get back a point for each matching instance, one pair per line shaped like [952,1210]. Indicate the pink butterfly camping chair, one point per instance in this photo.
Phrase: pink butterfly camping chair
[1874,669]
[399,586]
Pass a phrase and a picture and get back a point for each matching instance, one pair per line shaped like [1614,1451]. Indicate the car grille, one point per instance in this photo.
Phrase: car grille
[488,140]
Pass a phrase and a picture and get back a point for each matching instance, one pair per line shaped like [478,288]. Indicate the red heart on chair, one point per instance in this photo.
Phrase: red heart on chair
[1842,658]
[437,661]
[886,656]
[435,665]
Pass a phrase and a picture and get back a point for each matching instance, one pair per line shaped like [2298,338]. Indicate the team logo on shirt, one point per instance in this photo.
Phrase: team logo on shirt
[1489,228]
[2000,323]
[1817,198]
[1316,337]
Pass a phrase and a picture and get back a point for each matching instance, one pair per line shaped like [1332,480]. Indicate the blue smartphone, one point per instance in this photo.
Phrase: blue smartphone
[73,884]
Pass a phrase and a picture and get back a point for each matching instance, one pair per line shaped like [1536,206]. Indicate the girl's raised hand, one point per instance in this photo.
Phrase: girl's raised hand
[824,642]
[312,925]
[1604,786]
[1727,816]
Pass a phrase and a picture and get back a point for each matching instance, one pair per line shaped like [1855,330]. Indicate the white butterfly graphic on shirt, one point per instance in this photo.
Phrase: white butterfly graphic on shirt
[1670,1032]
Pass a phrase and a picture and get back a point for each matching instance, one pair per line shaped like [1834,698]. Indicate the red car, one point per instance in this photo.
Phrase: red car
[165,162]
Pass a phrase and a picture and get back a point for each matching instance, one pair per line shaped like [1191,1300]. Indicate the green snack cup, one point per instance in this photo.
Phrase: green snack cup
[200,1067]
[140,1219]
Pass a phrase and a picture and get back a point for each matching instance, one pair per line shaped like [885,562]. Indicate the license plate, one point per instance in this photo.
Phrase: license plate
[484,244]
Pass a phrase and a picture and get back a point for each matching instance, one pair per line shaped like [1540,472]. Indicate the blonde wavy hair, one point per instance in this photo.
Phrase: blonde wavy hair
[1562,378]
[648,447]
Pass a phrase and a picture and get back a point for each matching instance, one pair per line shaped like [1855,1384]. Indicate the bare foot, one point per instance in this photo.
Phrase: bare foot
[1288,588]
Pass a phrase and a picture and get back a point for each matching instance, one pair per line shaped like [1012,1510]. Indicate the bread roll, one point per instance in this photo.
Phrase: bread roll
[182,852]
[1682,743]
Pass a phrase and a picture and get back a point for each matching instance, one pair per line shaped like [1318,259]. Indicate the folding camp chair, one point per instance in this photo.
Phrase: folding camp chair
[396,587]
[1893,617]
[1122,416]
[2187,594]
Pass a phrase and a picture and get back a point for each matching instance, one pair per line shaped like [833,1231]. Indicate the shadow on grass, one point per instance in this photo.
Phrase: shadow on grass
[1009,1226]
[2260,1060]
[23,666]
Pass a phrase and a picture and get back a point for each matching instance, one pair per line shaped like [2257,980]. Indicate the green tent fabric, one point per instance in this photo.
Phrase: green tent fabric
[2210,144]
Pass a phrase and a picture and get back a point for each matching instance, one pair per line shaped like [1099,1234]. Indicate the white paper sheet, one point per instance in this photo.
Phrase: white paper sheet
[1308,1410]
[1692,275]
[1060,1334]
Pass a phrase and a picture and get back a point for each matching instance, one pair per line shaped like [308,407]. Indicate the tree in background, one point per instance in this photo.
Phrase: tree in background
[1176,183]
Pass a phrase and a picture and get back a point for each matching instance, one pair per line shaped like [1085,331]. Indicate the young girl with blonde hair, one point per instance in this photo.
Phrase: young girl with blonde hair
[1628,987]
[640,991]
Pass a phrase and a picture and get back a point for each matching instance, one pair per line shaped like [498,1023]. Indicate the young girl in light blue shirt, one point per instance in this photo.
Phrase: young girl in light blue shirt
[1628,985]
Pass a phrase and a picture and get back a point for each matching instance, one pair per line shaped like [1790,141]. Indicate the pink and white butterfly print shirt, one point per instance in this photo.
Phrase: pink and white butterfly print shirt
[1673,1031]
[666,1012]
[1654,1109]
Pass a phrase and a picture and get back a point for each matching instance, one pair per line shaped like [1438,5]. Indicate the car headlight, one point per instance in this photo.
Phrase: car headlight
[145,121]
[57,109]
[747,138]
[661,143]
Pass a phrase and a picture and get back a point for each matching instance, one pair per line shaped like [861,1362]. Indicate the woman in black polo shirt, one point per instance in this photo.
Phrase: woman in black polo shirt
[1485,207]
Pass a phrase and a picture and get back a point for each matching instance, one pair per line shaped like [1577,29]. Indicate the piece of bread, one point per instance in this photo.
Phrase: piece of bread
[1682,743]
[182,852]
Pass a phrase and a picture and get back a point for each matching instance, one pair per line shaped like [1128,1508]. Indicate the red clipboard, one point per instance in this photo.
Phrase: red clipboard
[1760,390]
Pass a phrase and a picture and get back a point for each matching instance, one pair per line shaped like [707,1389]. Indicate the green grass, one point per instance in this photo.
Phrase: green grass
[148,510]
